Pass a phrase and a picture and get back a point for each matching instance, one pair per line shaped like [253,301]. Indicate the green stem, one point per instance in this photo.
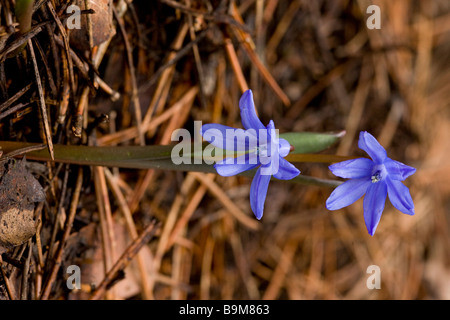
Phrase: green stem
[24,13]
[132,157]
[318,158]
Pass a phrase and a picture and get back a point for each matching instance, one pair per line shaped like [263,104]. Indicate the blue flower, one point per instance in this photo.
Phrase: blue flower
[261,147]
[376,179]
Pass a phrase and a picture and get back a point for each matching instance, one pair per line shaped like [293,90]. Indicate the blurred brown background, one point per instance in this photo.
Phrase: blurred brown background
[312,66]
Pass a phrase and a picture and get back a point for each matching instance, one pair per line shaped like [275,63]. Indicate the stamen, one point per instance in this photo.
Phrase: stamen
[261,149]
[376,177]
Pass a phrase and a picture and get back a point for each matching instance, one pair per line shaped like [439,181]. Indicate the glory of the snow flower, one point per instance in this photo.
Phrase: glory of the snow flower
[261,147]
[375,178]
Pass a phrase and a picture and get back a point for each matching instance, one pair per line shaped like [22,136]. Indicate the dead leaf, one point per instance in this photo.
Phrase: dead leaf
[102,25]
[19,190]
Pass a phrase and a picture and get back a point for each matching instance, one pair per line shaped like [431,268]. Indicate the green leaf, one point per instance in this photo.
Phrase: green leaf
[24,12]
[132,157]
[309,142]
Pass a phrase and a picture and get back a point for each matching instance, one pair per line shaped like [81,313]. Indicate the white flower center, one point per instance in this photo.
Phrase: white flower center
[379,173]
[376,177]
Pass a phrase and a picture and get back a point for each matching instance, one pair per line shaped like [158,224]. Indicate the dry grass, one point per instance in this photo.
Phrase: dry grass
[312,66]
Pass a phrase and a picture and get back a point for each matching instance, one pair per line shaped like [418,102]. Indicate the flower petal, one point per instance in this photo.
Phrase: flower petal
[369,144]
[286,170]
[229,138]
[398,170]
[258,193]
[284,147]
[232,166]
[400,196]
[273,141]
[353,169]
[248,112]
[347,193]
[374,201]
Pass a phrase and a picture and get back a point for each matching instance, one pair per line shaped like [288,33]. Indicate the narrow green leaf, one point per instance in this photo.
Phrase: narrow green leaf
[132,157]
[309,142]
[24,12]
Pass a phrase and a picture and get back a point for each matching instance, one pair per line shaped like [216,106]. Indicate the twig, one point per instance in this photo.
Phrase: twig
[235,65]
[50,256]
[248,46]
[53,49]
[205,279]
[76,60]
[65,94]
[15,97]
[357,109]
[198,61]
[216,17]
[21,151]
[161,92]
[38,237]
[106,223]
[78,120]
[69,221]
[179,54]
[134,94]
[125,259]
[66,47]
[129,133]
[3,90]
[281,270]
[51,82]
[19,42]
[168,227]
[281,29]
[146,292]
[26,269]
[242,262]
[176,121]
[318,87]
[214,188]
[13,110]
[43,108]
[9,287]
[187,213]
[181,7]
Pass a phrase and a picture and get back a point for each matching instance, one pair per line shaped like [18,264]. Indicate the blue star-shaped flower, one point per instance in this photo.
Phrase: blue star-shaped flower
[262,148]
[376,179]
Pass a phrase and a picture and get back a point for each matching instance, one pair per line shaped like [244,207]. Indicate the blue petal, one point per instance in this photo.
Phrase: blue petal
[270,126]
[215,134]
[284,147]
[400,196]
[269,139]
[374,201]
[238,165]
[353,169]
[229,138]
[347,193]
[398,170]
[248,112]
[369,144]
[286,170]
[258,193]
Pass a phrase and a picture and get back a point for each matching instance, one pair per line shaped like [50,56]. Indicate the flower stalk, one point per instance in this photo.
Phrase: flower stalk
[146,157]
